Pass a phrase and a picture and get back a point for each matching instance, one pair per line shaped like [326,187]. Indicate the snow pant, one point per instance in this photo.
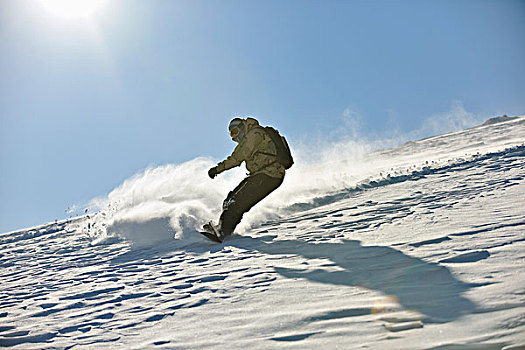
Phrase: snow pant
[249,192]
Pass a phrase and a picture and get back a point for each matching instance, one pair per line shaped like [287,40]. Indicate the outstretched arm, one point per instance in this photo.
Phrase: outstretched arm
[232,161]
[242,152]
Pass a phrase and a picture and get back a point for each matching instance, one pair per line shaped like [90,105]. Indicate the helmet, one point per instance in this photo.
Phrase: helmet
[236,129]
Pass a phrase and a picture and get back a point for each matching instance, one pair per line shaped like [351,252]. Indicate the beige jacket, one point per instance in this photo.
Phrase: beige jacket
[257,150]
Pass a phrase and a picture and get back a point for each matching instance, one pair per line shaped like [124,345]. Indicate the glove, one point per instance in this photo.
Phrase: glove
[213,172]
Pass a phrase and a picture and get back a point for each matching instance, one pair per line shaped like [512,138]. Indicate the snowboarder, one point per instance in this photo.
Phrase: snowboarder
[263,153]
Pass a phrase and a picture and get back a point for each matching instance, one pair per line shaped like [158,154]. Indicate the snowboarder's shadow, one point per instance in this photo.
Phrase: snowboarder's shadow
[427,287]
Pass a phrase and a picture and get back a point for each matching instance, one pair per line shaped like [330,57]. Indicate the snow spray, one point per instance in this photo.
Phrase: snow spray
[173,201]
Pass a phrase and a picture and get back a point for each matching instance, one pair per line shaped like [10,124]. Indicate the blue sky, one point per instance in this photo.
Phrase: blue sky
[87,102]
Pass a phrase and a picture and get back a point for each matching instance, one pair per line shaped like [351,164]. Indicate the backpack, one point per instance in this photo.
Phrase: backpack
[284,156]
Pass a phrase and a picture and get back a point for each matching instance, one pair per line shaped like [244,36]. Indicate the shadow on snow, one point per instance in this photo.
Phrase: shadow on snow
[417,285]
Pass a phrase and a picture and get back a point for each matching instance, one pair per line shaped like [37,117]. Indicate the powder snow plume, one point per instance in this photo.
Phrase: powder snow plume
[173,201]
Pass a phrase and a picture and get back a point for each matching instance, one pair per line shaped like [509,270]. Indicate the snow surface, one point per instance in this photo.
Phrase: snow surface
[416,247]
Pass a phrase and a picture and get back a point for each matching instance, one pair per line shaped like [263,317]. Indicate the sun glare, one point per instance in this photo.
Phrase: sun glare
[71,9]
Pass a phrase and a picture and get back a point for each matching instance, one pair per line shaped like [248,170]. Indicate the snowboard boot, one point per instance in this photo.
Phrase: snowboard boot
[214,230]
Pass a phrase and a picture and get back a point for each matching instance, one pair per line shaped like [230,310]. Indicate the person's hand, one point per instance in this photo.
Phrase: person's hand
[212,172]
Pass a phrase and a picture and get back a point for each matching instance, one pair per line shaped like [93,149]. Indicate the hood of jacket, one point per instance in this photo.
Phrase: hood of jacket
[251,123]
[248,124]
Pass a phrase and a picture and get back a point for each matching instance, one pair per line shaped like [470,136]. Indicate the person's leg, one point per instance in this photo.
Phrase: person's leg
[248,193]
[233,193]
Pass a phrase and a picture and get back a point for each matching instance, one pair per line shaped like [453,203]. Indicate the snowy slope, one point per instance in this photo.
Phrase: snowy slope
[416,247]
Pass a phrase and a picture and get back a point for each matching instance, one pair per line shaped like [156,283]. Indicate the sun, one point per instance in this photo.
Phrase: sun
[72,9]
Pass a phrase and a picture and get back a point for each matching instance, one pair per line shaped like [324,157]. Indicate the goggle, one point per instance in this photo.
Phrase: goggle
[235,131]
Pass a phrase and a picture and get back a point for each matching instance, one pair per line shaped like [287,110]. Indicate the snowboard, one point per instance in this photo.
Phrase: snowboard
[210,231]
